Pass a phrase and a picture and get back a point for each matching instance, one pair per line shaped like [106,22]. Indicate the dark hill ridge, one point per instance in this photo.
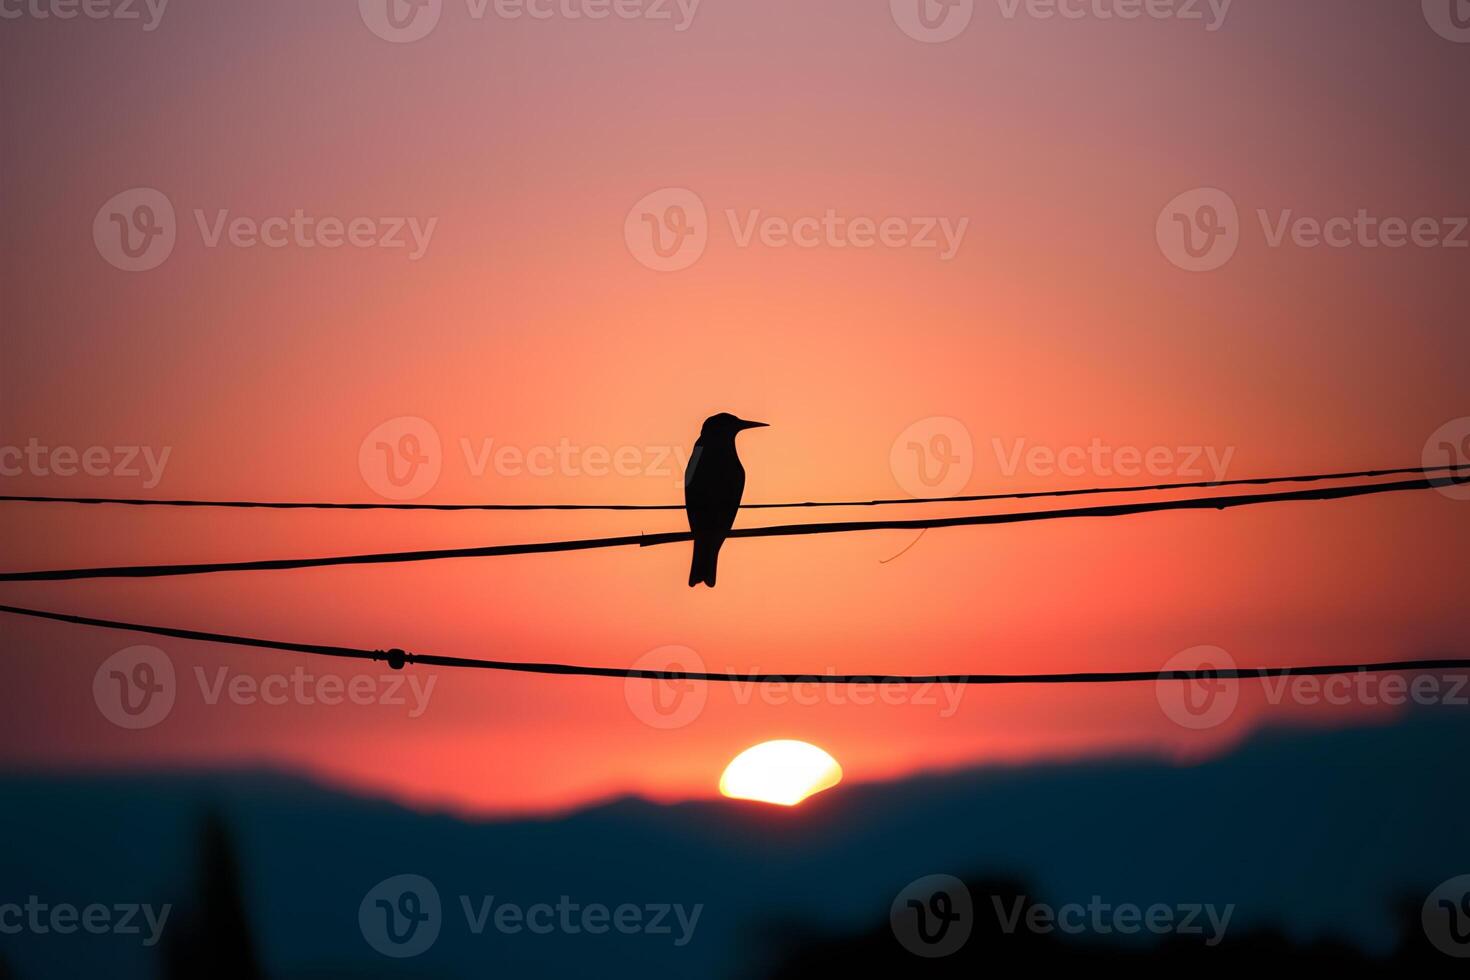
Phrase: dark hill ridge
[1320,834]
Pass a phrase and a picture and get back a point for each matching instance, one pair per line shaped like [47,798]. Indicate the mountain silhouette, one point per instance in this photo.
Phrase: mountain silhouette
[1318,838]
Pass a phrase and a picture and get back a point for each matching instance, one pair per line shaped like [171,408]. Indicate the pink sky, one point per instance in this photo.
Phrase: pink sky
[529,320]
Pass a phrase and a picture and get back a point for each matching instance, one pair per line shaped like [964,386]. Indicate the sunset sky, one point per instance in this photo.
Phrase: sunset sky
[532,320]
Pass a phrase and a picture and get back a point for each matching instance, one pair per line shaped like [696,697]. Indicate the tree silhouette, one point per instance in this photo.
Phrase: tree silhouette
[212,937]
[990,950]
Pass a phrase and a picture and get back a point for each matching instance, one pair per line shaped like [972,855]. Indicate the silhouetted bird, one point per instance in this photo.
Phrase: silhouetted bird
[713,485]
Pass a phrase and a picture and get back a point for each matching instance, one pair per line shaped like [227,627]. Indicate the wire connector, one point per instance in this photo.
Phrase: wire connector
[396,658]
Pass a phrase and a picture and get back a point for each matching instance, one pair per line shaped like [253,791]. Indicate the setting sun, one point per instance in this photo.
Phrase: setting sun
[784,772]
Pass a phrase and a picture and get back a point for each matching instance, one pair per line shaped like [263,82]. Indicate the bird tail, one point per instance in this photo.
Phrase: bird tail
[702,565]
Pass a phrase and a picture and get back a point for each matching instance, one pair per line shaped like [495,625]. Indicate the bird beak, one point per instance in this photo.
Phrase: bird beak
[753,425]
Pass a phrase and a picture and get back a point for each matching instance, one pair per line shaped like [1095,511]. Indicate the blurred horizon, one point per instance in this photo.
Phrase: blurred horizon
[764,886]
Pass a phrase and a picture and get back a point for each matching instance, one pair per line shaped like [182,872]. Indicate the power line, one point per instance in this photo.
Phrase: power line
[397,659]
[781,530]
[881,502]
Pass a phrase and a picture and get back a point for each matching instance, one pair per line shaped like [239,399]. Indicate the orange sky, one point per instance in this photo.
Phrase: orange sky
[530,321]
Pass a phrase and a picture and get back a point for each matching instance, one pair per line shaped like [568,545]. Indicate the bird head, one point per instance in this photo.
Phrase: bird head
[726,426]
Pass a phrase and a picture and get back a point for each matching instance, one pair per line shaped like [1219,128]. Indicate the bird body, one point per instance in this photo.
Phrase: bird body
[713,485]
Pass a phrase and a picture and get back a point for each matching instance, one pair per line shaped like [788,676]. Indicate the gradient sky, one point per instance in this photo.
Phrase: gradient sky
[530,321]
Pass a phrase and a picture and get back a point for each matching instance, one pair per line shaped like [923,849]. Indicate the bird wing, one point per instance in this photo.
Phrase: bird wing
[712,494]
